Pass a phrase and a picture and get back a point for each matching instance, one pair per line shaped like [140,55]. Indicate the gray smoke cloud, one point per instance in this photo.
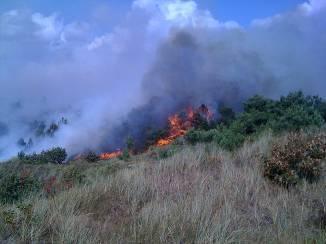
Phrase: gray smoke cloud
[164,55]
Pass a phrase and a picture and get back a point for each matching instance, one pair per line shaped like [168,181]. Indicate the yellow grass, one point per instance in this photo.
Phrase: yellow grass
[200,195]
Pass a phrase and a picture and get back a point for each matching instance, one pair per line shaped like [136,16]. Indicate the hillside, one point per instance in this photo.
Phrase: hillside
[257,176]
[195,194]
[163,121]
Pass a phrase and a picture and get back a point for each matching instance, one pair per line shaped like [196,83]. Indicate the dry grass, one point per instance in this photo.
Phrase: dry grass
[200,195]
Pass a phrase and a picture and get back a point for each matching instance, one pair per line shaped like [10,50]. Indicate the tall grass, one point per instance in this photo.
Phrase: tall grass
[200,195]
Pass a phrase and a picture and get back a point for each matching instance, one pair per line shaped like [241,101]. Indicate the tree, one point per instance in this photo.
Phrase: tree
[199,122]
[130,144]
[29,144]
[227,115]
[52,129]
[56,155]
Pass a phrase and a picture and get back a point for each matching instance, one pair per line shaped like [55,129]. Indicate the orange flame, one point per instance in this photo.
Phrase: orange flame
[107,156]
[177,127]
[77,157]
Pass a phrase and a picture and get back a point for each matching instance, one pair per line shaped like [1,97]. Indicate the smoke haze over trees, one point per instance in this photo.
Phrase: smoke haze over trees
[160,57]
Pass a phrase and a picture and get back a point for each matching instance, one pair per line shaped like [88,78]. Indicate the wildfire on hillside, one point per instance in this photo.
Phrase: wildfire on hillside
[106,156]
[179,126]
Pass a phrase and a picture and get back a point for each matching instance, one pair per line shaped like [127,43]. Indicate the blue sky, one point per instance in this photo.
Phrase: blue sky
[242,11]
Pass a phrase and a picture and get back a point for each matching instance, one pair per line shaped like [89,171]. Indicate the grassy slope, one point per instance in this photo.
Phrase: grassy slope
[200,195]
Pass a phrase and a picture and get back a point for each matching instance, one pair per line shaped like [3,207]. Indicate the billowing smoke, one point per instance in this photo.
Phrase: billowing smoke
[164,55]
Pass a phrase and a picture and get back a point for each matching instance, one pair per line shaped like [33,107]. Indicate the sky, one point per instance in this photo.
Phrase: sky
[242,11]
[96,62]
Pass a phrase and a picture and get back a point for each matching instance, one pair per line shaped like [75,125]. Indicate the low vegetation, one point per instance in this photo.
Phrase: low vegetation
[300,157]
[257,177]
[290,113]
[56,155]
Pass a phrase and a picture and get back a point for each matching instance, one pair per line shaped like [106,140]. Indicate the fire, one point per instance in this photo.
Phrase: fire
[77,157]
[106,156]
[179,126]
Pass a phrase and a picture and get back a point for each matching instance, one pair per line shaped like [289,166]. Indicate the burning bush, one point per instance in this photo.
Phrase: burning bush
[301,157]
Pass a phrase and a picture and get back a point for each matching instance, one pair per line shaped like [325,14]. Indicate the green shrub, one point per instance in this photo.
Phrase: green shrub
[227,115]
[15,187]
[290,113]
[295,118]
[125,156]
[56,155]
[299,158]
[229,138]
[195,136]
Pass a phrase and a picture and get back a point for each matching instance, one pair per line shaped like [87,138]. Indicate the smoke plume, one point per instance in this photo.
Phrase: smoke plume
[163,56]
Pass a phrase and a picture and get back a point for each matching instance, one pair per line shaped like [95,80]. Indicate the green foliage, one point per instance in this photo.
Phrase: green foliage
[130,143]
[14,187]
[229,138]
[56,155]
[295,118]
[194,136]
[299,158]
[125,156]
[290,113]
[227,115]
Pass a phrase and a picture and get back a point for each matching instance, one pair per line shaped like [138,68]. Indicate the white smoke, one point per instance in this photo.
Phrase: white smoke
[52,68]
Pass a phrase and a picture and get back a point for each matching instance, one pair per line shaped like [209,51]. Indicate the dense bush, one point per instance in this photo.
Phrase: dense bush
[301,157]
[229,138]
[14,187]
[227,115]
[125,156]
[56,155]
[290,113]
[194,136]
